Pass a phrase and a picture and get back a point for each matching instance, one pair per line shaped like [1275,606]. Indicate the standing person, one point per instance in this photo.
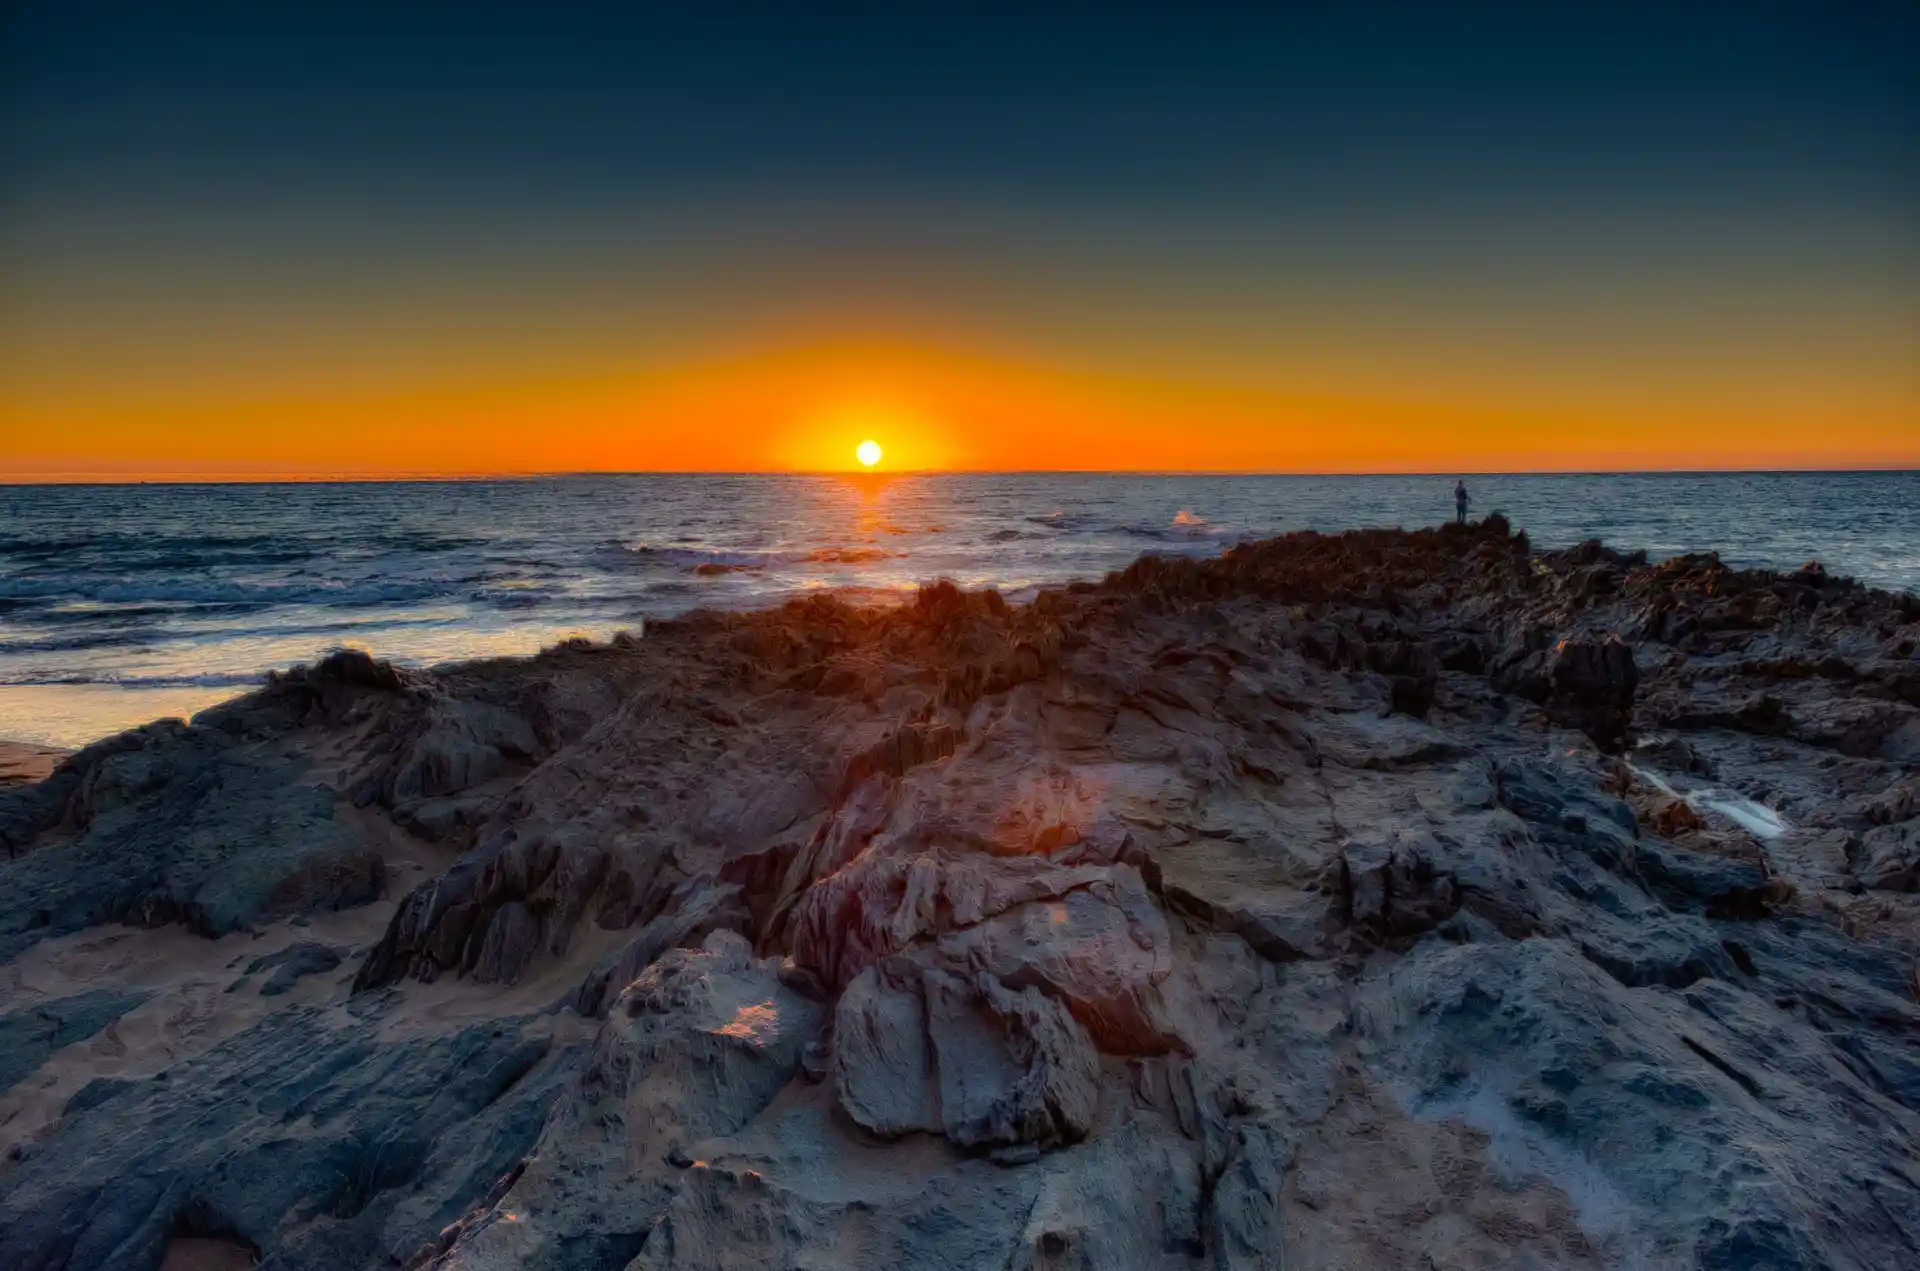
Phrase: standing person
[1460,502]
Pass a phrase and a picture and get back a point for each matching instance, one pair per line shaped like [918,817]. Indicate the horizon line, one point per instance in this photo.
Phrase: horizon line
[445,478]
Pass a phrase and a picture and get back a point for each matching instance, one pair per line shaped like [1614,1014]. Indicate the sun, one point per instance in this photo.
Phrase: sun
[868,453]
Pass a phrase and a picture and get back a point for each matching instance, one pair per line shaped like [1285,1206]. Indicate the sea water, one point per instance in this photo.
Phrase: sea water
[122,603]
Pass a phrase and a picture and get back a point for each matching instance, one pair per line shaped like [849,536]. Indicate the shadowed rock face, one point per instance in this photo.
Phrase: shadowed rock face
[1372,900]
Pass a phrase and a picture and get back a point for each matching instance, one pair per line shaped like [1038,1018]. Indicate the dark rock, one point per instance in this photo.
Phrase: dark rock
[397,1139]
[1567,809]
[1014,1066]
[883,1058]
[1142,925]
[1888,857]
[29,1035]
[289,964]
[1593,684]
[511,935]
[1722,886]
[218,844]
[1395,887]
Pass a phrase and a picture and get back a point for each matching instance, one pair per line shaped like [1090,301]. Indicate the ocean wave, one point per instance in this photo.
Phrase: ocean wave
[714,561]
[215,679]
[1063,520]
[118,590]
[514,599]
[79,641]
[645,556]
[1186,526]
[59,612]
[847,556]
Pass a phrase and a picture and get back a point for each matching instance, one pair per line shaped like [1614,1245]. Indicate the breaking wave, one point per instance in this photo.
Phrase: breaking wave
[124,590]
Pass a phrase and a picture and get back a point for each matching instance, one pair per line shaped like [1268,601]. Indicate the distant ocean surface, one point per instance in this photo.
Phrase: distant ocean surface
[119,604]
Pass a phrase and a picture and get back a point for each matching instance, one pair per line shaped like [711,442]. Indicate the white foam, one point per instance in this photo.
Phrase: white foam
[1757,819]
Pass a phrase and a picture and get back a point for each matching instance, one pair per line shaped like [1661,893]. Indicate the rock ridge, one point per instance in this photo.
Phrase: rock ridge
[1377,899]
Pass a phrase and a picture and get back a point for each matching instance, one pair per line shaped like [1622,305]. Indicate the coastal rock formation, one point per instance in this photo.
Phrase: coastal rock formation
[1369,900]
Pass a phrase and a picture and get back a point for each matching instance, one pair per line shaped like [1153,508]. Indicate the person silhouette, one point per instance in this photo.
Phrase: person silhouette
[1460,502]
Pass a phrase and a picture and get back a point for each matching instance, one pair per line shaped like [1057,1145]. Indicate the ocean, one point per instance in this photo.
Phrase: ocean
[122,603]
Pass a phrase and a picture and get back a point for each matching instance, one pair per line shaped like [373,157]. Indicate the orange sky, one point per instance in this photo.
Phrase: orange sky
[934,407]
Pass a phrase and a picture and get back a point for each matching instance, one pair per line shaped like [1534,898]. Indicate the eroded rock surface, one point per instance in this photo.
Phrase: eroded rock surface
[1374,900]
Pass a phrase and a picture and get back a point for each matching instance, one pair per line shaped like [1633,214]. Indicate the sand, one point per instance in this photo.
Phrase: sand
[22,761]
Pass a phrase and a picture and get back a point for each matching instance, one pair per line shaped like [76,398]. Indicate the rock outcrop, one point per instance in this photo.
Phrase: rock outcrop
[1369,900]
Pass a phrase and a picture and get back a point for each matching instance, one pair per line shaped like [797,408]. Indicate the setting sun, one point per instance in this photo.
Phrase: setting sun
[868,453]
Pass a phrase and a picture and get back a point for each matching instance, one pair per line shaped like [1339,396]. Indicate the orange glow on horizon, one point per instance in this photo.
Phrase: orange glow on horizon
[810,408]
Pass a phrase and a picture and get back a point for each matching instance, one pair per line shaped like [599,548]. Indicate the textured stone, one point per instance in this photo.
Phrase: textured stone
[1247,912]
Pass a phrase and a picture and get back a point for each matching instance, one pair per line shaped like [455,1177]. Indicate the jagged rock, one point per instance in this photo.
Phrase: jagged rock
[1724,886]
[1592,687]
[1568,809]
[219,843]
[1225,913]
[1536,1047]
[691,1051]
[696,909]
[1102,951]
[1888,857]
[948,1043]
[1014,1066]
[1396,888]
[1852,726]
[395,1139]
[881,903]
[1133,1197]
[1245,1229]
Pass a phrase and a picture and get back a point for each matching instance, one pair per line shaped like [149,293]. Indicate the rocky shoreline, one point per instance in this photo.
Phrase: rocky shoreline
[1370,900]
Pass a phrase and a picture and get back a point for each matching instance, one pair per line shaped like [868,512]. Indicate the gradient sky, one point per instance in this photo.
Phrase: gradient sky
[262,239]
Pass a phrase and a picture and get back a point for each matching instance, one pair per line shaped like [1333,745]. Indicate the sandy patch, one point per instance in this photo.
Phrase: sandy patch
[22,762]
[199,1253]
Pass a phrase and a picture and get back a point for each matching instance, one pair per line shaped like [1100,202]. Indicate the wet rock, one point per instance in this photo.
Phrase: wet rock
[1676,755]
[1668,817]
[1566,808]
